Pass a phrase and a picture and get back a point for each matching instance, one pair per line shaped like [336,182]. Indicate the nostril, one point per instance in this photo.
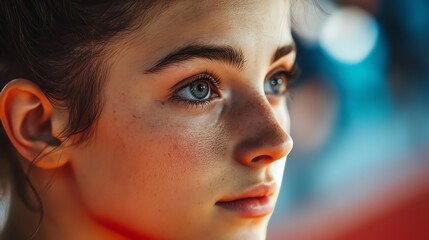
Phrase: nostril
[262,158]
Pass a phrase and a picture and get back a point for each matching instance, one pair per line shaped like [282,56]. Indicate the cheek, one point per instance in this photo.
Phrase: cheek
[154,165]
[174,147]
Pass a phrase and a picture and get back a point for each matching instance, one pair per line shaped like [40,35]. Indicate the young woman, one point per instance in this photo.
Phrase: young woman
[145,119]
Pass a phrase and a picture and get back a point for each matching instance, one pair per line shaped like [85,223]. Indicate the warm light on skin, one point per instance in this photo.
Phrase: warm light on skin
[157,167]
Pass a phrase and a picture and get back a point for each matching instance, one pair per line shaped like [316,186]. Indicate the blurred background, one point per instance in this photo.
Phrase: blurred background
[360,122]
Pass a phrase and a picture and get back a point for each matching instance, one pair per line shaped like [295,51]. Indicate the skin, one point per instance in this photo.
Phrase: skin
[156,167]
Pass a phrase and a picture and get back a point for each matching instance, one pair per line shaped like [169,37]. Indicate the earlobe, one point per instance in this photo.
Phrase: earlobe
[32,123]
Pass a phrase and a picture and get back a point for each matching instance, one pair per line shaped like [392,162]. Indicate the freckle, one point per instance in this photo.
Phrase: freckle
[162,103]
[137,116]
[176,146]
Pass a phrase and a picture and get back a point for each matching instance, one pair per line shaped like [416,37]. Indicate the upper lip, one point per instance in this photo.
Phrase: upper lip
[256,191]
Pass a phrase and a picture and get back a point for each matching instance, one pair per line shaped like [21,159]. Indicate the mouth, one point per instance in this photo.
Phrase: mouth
[258,201]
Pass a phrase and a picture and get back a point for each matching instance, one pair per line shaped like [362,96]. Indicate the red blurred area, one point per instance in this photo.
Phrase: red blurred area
[398,211]
[407,220]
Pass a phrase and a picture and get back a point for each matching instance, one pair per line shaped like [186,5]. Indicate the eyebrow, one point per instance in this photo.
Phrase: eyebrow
[225,53]
[284,51]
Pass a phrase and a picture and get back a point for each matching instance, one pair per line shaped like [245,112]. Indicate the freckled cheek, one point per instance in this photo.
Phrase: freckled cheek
[151,159]
[177,149]
[186,153]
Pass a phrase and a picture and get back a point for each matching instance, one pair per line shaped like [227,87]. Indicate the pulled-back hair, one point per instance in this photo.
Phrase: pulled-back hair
[60,45]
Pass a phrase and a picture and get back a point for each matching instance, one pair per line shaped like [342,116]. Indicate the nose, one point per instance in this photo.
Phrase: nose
[262,138]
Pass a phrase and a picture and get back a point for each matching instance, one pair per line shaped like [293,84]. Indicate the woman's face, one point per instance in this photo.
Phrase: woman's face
[194,115]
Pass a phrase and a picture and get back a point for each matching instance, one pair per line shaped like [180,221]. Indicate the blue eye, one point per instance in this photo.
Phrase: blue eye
[276,84]
[201,90]
[197,90]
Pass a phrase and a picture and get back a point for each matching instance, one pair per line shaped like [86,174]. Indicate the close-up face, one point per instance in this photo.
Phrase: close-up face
[192,139]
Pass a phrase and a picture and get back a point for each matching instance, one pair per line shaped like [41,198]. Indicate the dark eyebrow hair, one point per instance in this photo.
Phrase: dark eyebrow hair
[283,51]
[226,54]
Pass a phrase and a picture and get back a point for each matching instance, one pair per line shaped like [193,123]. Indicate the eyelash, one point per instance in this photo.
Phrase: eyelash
[214,83]
[291,76]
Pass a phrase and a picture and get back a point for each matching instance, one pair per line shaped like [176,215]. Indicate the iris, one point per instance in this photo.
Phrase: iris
[199,89]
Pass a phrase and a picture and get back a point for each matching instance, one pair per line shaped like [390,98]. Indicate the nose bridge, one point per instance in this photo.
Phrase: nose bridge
[257,109]
[261,137]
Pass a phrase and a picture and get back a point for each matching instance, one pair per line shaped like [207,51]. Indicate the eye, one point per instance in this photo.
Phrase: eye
[198,90]
[276,84]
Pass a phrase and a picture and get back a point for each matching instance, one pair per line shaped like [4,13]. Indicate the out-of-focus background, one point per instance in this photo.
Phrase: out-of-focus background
[360,121]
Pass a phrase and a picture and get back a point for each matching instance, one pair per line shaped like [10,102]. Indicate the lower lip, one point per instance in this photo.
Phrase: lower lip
[249,207]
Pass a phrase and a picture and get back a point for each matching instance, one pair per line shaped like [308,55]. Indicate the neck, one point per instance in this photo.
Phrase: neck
[65,215]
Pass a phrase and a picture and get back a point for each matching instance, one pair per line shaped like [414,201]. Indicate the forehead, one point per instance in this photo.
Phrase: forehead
[245,24]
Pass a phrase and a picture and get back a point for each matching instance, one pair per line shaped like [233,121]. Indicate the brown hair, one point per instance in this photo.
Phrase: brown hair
[60,46]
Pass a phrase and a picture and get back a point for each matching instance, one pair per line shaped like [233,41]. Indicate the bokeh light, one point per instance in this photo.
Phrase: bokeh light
[349,35]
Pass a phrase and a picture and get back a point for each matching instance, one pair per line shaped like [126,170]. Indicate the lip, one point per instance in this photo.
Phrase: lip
[257,201]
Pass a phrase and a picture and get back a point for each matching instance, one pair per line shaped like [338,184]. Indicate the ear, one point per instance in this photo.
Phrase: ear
[32,123]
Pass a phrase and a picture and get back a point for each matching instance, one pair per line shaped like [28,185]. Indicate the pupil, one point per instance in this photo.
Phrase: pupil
[276,84]
[200,90]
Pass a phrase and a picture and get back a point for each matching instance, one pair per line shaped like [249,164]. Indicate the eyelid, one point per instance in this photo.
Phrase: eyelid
[206,75]
[291,73]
